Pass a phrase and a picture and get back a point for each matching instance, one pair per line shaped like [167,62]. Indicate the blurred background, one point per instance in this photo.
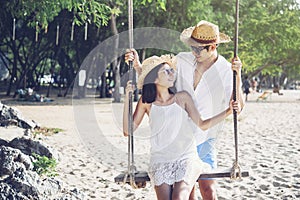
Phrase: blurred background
[44,43]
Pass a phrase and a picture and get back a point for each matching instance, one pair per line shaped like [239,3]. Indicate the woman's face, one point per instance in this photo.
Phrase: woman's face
[166,76]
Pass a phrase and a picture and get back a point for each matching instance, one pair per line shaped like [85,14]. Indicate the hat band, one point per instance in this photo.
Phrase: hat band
[204,41]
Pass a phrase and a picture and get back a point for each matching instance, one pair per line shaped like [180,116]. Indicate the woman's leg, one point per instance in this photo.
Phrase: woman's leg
[163,192]
[181,190]
[208,189]
[193,194]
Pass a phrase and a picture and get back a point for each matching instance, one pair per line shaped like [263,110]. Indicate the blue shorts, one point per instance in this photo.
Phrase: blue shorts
[207,153]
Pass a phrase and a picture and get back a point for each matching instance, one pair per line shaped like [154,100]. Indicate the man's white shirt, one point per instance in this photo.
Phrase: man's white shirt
[212,94]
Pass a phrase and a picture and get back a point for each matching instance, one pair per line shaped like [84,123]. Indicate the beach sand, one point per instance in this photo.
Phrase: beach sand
[93,150]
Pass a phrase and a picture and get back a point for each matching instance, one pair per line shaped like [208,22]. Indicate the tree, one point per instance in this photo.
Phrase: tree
[273,47]
[268,35]
[35,38]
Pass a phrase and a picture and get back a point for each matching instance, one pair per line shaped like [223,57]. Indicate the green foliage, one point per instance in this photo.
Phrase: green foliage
[91,11]
[269,32]
[45,11]
[44,165]
[175,15]
[272,38]
[178,15]
[159,4]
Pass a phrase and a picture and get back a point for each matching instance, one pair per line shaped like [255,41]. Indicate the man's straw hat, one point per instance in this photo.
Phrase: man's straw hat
[150,63]
[205,33]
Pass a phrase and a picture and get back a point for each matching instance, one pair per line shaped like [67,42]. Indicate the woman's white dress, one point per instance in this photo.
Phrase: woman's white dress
[173,156]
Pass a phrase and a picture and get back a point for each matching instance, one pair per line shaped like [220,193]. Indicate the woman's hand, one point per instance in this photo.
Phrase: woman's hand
[129,88]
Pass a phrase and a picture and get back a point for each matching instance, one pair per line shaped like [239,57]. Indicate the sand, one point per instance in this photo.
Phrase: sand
[93,151]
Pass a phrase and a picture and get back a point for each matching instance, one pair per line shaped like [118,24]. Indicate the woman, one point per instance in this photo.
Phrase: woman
[174,163]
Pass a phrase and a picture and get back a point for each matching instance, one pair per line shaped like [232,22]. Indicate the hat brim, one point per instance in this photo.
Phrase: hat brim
[147,70]
[186,34]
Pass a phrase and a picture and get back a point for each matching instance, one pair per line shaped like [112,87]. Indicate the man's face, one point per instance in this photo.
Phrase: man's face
[202,53]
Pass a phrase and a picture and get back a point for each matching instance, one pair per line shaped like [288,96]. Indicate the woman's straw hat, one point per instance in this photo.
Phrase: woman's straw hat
[150,63]
[205,33]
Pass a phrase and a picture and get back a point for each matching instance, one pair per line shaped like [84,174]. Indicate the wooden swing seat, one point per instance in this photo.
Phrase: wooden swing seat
[222,173]
[142,176]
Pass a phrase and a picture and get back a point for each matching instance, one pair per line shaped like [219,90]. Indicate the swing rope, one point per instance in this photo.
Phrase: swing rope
[131,167]
[236,169]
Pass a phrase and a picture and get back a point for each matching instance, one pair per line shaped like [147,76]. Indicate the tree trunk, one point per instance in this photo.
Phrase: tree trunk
[14,70]
[12,77]
[102,87]
[22,79]
[116,63]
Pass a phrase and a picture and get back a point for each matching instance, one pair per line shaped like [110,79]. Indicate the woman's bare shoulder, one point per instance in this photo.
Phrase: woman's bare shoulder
[183,94]
[183,98]
[144,106]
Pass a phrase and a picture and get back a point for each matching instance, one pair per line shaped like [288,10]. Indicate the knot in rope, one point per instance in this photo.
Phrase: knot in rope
[236,171]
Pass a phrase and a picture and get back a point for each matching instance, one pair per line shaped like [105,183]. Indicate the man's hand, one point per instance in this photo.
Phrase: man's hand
[235,105]
[236,65]
[132,55]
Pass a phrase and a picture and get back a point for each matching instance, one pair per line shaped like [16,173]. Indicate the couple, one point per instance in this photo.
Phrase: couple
[179,135]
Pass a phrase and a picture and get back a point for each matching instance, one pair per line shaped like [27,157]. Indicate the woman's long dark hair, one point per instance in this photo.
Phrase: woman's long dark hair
[149,87]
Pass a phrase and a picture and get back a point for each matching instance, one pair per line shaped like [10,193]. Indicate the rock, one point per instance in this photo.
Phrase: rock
[19,181]
[25,182]
[9,122]
[13,159]
[29,146]
[17,178]
[7,192]
[3,142]
[12,116]
[28,133]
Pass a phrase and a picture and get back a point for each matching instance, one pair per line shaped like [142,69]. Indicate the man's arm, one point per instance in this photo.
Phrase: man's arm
[194,114]
[237,66]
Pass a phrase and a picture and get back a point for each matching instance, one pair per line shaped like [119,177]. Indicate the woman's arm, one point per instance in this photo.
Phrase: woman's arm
[195,115]
[139,112]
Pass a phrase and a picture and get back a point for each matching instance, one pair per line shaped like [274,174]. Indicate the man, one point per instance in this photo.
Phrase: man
[207,76]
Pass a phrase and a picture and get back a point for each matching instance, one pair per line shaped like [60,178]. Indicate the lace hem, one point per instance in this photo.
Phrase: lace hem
[187,170]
